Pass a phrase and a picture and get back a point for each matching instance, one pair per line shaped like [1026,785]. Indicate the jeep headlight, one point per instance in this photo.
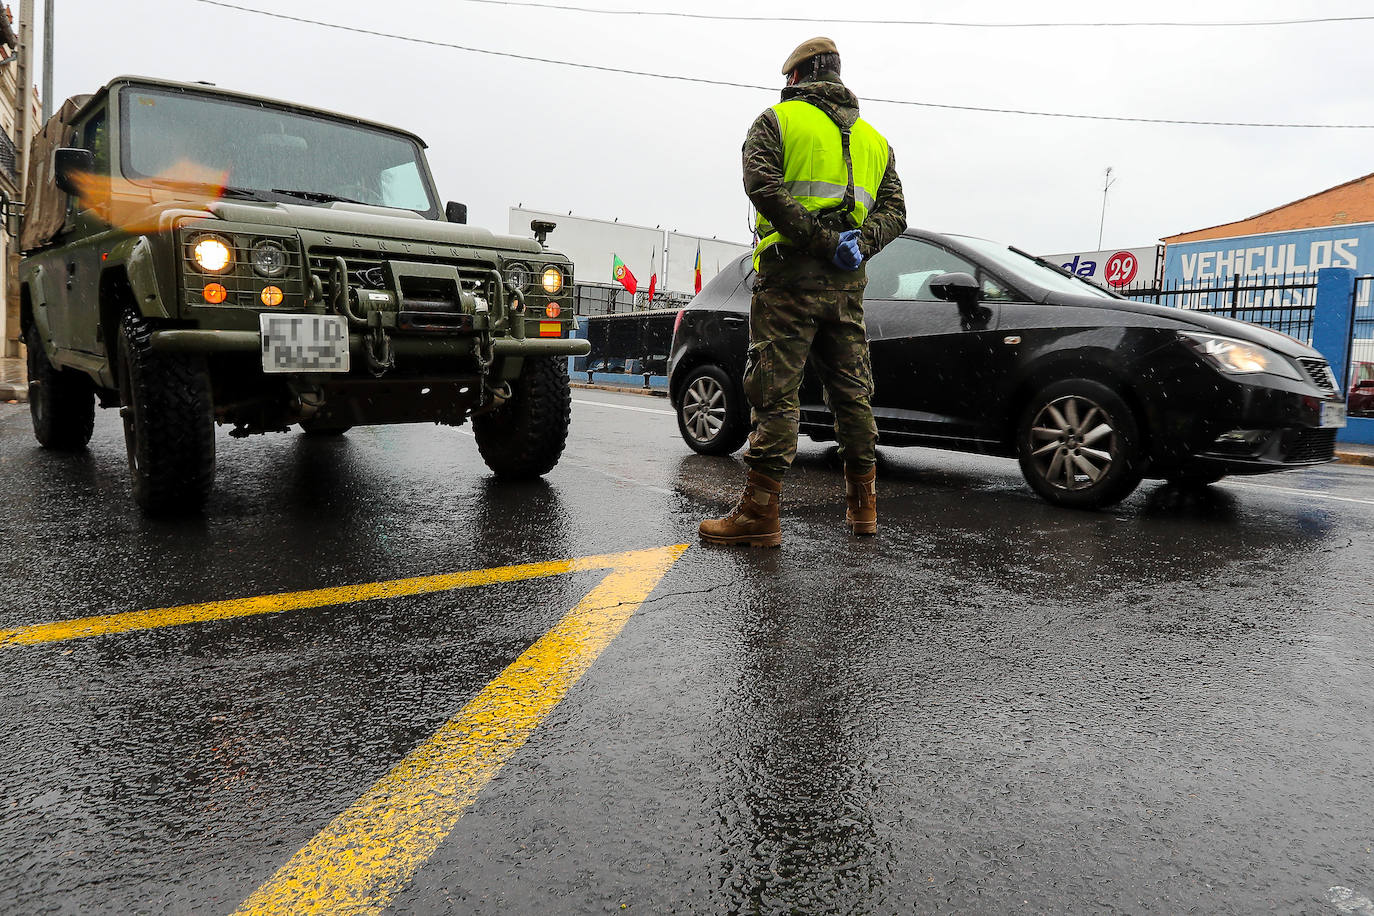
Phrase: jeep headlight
[1238,357]
[518,276]
[553,281]
[269,258]
[212,254]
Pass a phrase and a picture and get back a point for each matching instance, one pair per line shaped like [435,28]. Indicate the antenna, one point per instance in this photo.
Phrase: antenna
[1107,182]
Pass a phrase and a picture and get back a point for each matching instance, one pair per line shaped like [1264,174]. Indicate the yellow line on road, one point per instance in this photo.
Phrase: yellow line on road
[106,624]
[371,851]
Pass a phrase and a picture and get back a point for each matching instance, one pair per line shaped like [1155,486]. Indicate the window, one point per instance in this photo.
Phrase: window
[95,137]
[904,269]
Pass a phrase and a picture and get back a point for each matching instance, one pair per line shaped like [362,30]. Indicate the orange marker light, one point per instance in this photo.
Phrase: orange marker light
[271,295]
[553,310]
[215,293]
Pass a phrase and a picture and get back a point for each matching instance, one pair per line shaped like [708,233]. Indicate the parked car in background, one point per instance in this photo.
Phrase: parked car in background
[980,347]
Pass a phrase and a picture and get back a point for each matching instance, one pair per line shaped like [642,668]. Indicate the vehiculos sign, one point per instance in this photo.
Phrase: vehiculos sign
[1298,253]
[1114,268]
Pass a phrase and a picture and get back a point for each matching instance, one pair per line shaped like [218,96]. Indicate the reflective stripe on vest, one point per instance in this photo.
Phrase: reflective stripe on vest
[821,170]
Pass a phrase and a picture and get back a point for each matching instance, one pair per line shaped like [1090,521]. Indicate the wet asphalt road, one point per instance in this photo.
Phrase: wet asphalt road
[993,707]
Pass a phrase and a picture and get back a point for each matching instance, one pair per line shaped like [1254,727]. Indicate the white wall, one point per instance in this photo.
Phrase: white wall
[591,243]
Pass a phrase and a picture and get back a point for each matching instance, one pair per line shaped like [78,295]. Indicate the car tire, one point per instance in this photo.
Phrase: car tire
[1079,445]
[315,429]
[524,437]
[61,402]
[169,427]
[712,415]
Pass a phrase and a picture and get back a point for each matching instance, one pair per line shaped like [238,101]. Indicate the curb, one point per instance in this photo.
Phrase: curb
[642,392]
[18,393]
[1360,458]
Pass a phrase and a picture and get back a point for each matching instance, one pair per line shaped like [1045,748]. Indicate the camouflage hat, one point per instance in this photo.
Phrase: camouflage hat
[807,50]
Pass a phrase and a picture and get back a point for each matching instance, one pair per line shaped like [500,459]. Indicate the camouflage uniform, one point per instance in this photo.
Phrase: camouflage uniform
[804,306]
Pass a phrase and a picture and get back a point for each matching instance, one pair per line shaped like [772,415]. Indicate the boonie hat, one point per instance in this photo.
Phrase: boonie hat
[807,50]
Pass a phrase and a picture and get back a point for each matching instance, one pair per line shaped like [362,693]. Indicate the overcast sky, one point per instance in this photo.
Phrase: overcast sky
[659,152]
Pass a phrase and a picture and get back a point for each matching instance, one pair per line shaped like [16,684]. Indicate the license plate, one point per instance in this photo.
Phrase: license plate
[1333,414]
[304,343]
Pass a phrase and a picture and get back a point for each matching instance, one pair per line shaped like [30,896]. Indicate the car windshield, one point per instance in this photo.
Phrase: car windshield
[1022,267]
[269,152]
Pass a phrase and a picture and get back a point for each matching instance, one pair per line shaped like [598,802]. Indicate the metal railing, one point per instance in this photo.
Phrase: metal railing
[1283,304]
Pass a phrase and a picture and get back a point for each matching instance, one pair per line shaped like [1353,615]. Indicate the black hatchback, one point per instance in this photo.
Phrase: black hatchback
[983,348]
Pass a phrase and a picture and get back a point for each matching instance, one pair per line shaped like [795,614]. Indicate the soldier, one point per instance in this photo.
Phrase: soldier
[825,185]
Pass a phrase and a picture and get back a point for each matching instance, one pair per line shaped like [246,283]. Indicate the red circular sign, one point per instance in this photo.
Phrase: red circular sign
[1121,269]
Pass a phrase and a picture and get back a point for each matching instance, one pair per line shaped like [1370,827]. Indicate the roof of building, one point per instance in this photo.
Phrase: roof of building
[1349,202]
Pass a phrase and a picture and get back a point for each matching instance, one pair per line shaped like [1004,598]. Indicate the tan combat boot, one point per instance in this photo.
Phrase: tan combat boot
[861,498]
[754,520]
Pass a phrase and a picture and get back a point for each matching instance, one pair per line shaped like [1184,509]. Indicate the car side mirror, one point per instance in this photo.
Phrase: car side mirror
[455,212]
[957,287]
[67,164]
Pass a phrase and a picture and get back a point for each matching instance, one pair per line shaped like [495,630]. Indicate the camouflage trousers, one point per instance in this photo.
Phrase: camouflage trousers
[785,328]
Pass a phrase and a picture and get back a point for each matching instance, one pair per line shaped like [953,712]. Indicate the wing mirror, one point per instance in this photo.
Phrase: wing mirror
[957,287]
[455,212]
[67,164]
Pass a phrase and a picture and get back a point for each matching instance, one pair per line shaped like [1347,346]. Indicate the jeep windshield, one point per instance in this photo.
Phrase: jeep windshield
[270,153]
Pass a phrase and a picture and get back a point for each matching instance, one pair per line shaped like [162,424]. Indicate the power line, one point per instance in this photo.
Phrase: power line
[938,23]
[736,85]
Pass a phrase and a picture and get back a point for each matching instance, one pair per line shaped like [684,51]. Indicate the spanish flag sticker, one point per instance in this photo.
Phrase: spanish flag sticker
[550,329]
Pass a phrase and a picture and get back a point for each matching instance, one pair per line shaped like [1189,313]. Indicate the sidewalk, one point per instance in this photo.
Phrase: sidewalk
[14,380]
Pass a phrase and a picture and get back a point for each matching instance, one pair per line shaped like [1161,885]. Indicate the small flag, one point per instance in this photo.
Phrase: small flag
[621,274]
[696,282]
[653,279]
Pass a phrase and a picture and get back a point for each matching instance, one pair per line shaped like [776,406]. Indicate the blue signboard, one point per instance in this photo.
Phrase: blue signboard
[1298,254]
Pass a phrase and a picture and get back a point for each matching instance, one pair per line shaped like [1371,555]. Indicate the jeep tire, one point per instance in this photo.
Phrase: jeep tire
[169,429]
[61,402]
[524,437]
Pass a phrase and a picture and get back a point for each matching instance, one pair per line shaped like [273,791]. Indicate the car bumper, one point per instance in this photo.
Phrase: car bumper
[1258,429]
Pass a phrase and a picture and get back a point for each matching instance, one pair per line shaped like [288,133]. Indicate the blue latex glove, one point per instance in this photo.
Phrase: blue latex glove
[847,255]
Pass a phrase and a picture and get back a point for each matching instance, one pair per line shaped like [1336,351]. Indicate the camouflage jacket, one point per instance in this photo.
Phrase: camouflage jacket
[805,262]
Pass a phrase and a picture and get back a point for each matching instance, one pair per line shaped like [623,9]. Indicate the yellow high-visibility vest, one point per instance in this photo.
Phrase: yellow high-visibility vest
[820,172]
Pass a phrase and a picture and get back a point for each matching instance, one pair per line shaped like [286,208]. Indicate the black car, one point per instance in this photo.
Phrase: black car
[983,348]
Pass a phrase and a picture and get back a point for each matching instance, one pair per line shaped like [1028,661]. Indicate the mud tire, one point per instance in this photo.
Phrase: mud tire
[524,437]
[169,429]
[61,401]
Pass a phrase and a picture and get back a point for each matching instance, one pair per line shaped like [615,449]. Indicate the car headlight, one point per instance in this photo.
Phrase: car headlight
[269,259]
[1238,357]
[553,281]
[518,276]
[212,254]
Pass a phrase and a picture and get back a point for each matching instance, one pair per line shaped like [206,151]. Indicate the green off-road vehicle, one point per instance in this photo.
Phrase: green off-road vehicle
[197,256]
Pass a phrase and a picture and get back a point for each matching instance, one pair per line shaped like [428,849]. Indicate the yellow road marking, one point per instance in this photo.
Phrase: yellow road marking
[370,852]
[106,624]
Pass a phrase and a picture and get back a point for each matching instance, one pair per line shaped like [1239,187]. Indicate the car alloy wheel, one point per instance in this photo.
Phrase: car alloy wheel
[1080,446]
[1073,440]
[704,409]
[711,414]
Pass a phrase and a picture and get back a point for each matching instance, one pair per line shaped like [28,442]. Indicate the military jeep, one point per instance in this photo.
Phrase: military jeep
[197,256]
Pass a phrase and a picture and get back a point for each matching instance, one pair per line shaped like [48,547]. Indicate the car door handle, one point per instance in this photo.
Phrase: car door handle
[733,319]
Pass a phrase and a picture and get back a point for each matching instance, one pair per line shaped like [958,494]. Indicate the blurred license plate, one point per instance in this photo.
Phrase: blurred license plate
[1333,414]
[304,343]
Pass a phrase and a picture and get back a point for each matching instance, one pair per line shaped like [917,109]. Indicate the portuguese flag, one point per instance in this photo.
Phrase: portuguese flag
[621,274]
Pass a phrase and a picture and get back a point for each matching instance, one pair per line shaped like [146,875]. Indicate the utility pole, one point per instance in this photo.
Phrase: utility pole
[47,59]
[1107,182]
